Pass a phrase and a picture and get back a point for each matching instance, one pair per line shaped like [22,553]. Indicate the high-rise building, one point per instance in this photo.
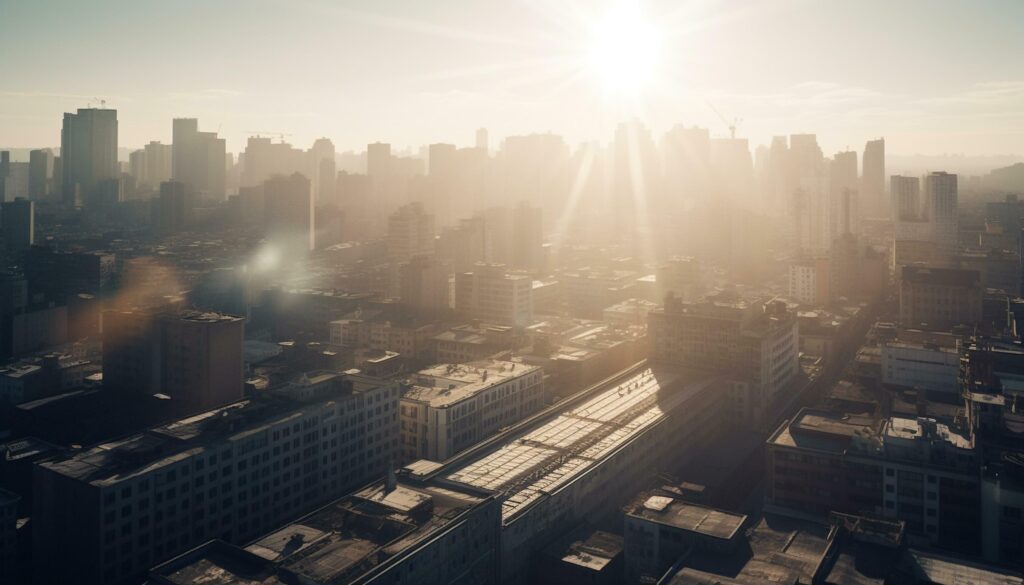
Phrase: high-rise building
[290,213]
[18,219]
[378,160]
[872,181]
[195,358]
[5,173]
[938,298]
[940,190]
[423,284]
[88,150]
[493,295]
[174,210]
[197,160]
[845,198]
[323,170]
[755,345]
[263,158]
[158,165]
[410,233]
[40,174]
[482,141]
[527,241]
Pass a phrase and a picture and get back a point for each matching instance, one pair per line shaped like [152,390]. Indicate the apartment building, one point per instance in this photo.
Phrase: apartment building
[118,508]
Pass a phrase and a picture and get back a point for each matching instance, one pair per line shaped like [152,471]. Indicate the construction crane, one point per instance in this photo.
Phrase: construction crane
[264,132]
[732,126]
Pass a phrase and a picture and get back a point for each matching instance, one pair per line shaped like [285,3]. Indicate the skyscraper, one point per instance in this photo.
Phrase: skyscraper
[158,162]
[872,189]
[5,173]
[88,150]
[941,199]
[323,169]
[527,237]
[378,160]
[198,160]
[410,233]
[18,219]
[40,173]
[845,200]
[482,141]
[174,209]
[289,220]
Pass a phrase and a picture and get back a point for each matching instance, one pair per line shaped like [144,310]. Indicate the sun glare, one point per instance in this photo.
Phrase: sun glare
[625,49]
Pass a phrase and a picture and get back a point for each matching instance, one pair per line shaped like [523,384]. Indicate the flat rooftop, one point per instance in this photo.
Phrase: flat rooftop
[539,461]
[352,536]
[443,385]
[114,461]
[823,430]
[924,429]
[688,516]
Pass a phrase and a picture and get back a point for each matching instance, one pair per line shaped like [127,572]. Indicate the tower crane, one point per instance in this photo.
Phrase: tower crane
[731,126]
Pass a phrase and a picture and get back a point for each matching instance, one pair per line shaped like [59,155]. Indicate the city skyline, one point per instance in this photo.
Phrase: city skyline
[411,76]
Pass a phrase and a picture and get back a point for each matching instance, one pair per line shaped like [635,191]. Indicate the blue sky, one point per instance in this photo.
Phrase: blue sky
[932,76]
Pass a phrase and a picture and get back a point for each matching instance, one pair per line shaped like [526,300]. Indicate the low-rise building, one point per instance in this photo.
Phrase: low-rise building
[449,407]
[660,529]
[927,365]
[583,556]
[919,471]
[388,533]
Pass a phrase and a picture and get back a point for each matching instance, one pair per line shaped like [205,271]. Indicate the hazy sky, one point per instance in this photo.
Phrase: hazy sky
[932,76]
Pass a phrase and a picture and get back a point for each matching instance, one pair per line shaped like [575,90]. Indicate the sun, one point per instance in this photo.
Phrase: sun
[625,49]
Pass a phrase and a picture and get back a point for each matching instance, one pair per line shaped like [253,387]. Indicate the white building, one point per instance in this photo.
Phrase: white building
[450,407]
[491,294]
[805,281]
[927,366]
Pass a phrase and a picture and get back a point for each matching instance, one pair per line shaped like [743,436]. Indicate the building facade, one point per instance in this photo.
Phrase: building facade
[232,473]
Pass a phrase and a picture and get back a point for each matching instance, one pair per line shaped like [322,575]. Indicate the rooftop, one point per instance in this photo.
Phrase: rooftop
[443,385]
[163,445]
[823,430]
[687,516]
[541,459]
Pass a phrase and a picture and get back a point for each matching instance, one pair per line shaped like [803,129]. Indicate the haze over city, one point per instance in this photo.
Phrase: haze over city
[626,292]
[934,77]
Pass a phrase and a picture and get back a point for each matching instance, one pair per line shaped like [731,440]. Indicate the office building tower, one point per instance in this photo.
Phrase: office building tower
[263,158]
[493,295]
[88,150]
[872,181]
[940,191]
[755,345]
[449,407]
[410,233]
[197,160]
[482,141]
[423,284]
[194,358]
[322,170]
[844,183]
[378,160]
[686,160]
[40,174]
[18,219]
[119,508]
[137,166]
[290,213]
[158,165]
[174,211]
[5,173]
[938,298]
[527,242]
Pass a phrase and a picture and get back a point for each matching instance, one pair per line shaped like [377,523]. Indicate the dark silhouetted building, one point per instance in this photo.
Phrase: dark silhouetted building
[18,219]
[88,150]
[194,358]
